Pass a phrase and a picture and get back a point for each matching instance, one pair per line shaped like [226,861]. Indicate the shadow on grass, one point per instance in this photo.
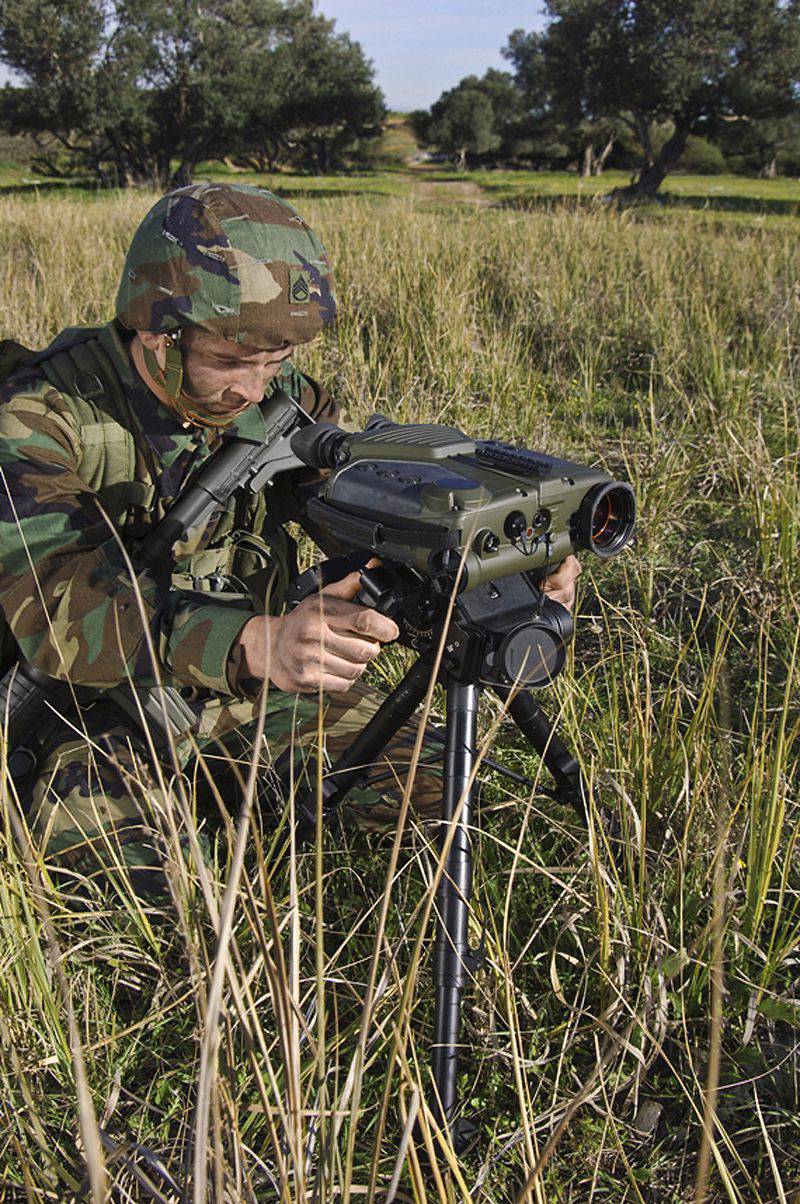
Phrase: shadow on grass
[81,187]
[710,204]
[733,204]
[324,193]
[87,186]
[50,186]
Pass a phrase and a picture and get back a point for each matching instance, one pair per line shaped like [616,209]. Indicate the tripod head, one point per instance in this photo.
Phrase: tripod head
[499,634]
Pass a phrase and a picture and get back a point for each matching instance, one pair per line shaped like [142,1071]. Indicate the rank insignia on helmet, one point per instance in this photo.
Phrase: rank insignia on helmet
[299,286]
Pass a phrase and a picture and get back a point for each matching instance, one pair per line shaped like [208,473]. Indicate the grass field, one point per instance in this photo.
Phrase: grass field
[727,197]
[634,1034]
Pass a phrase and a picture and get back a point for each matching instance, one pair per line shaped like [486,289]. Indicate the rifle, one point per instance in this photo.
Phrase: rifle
[30,700]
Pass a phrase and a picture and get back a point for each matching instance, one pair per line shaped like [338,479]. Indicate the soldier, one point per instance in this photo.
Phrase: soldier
[98,435]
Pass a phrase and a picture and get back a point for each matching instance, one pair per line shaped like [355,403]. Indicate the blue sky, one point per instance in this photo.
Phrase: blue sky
[420,48]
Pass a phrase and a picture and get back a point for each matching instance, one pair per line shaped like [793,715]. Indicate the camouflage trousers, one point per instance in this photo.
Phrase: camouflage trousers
[103,809]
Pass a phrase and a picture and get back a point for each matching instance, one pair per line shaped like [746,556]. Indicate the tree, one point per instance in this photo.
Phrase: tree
[512,133]
[462,122]
[328,104]
[525,52]
[510,123]
[419,121]
[128,87]
[773,139]
[551,115]
[763,145]
[647,62]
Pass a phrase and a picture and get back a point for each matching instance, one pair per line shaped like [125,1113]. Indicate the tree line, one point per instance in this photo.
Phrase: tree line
[644,84]
[139,91]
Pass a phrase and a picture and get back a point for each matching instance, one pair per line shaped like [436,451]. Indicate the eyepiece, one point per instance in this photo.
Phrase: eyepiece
[606,518]
[318,443]
[377,422]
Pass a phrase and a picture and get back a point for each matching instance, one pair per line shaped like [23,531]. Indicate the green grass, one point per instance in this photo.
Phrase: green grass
[665,347]
[18,175]
[724,197]
[679,184]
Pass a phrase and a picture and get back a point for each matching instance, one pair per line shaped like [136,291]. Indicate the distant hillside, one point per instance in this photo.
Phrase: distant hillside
[398,145]
[16,150]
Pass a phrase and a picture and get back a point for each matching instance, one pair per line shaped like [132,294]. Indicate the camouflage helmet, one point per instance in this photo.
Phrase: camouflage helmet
[231,258]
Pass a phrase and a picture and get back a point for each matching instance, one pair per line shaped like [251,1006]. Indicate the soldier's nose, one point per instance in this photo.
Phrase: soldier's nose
[249,388]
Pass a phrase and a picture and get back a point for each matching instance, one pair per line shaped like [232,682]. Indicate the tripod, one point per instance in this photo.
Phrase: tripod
[471,650]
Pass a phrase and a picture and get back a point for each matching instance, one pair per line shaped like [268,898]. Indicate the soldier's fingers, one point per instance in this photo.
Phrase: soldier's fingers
[339,675]
[329,683]
[340,614]
[358,652]
[363,621]
[555,589]
[347,588]
[565,574]
[336,666]
[336,685]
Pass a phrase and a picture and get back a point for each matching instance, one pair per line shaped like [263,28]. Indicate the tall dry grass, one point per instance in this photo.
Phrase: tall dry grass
[634,1034]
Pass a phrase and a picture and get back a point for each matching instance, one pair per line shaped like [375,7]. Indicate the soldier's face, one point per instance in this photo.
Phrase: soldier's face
[223,377]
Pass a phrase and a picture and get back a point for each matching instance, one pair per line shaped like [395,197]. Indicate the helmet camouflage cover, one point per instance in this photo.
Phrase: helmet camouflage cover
[234,259]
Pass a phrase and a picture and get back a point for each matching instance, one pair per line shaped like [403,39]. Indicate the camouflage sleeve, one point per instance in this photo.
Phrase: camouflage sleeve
[313,397]
[65,586]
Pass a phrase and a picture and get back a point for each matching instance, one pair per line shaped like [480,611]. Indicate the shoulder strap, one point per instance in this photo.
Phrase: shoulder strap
[84,374]
[13,356]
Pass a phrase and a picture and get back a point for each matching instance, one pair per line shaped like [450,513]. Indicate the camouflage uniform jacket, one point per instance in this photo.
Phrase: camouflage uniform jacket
[65,585]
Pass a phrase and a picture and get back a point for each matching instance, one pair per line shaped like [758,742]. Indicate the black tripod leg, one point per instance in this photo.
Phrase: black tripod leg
[395,710]
[551,748]
[452,959]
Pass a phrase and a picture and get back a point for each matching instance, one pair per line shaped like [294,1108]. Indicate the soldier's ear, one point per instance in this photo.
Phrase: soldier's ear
[151,339]
[155,346]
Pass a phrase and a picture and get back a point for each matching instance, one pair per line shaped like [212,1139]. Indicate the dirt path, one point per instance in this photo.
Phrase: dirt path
[448,190]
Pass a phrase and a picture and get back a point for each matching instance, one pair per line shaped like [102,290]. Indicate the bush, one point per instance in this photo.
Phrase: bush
[702,158]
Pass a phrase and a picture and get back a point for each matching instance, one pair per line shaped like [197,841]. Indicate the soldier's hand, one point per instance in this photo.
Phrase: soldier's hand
[560,586]
[326,642]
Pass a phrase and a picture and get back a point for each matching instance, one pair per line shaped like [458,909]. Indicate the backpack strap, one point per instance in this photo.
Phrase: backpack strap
[13,356]
[82,371]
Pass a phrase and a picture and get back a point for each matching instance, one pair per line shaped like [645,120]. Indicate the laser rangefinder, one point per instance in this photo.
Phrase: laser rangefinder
[431,497]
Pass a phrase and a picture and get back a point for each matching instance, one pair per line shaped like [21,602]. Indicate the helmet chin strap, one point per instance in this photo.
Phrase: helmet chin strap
[170,378]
